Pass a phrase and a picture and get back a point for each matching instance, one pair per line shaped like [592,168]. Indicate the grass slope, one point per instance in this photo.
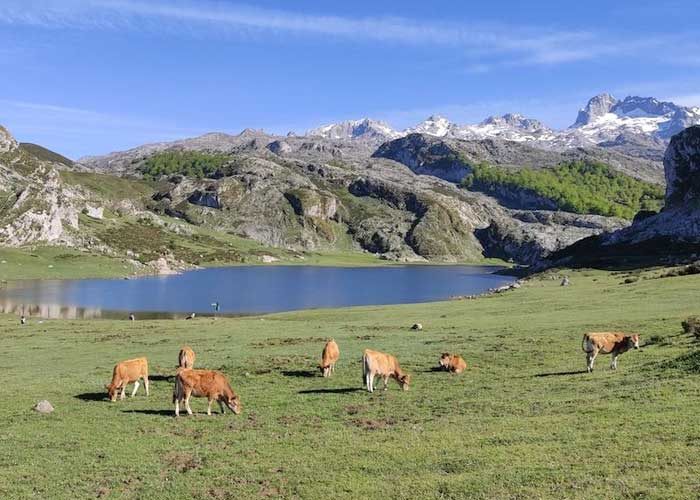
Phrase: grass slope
[522,422]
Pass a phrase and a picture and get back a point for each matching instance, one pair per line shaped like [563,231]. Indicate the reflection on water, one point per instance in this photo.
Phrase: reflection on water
[243,290]
[55,311]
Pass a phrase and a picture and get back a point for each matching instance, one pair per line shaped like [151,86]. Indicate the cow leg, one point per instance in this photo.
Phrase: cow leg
[613,362]
[136,388]
[188,394]
[370,382]
[146,384]
[591,360]
[209,406]
[386,381]
[223,408]
[123,393]
[177,407]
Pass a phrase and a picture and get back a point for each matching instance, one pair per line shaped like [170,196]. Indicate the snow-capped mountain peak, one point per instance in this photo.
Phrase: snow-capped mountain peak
[354,129]
[605,121]
[436,125]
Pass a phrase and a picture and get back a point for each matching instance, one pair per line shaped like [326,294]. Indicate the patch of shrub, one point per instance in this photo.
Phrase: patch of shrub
[691,326]
[582,187]
[188,163]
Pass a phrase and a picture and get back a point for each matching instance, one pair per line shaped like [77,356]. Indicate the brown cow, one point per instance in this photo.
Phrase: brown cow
[614,343]
[209,384]
[125,373]
[385,365]
[329,358]
[452,363]
[186,357]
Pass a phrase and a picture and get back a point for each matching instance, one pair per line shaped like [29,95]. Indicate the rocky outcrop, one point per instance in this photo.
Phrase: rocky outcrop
[312,203]
[452,159]
[682,169]
[7,142]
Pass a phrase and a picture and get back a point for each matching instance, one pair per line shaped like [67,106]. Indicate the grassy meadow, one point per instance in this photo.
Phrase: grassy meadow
[524,421]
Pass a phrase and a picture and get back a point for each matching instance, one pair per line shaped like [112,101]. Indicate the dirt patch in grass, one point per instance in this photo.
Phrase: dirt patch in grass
[271,342]
[370,424]
[182,462]
[355,409]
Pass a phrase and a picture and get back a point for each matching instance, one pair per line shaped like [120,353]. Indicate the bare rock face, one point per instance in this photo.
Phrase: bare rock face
[43,407]
[7,142]
[682,168]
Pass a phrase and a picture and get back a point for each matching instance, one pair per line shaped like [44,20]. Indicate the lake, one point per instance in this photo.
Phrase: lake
[245,290]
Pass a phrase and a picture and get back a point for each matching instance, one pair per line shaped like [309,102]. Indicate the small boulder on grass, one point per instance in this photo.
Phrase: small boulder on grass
[691,326]
[43,406]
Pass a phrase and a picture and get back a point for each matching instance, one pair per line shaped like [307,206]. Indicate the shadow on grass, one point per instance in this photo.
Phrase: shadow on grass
[435,369]
[343,390]
[161,378]
[561,374]
[299,373]
[92,396]
[165,413]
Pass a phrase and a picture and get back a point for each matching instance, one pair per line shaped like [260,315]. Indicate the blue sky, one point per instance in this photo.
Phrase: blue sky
[93,76]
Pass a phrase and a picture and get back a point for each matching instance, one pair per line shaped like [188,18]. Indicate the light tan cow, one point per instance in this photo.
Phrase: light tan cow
[125,373]
[614,343]
[452,363]
[375,363]
[209,384]
[329,358]
[186,357]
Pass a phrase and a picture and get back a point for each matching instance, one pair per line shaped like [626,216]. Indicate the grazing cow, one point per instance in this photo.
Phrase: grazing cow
[452,363]
[384,365]
[329,358]
[125,373]
[209,384]
[614,343]
[186,357]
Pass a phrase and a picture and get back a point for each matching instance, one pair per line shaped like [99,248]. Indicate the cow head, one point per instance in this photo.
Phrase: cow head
[445,360]
[324,369]
[234,403]
[112,391]
[404,380]
[634,340]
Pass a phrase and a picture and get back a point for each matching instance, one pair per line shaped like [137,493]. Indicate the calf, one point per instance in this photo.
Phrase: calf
[614,343]
[384,365]
[125,373]
[329,358]
[209,384]
[186,357]
[452,363]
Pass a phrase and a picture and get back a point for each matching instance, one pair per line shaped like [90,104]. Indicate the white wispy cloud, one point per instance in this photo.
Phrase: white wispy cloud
[502,45]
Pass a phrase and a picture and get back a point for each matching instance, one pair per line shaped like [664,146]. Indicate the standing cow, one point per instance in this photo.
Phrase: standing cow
[614,343]
[208,384]
[125,373]
[329,358]
[376,363]
[185,359]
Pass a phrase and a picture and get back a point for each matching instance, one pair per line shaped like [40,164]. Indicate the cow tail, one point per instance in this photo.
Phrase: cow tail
[177,390]
[180,359]
[365,368]
[583,343]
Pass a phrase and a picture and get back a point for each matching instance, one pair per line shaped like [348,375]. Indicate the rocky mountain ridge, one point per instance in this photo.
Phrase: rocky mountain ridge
[292,193]
[637,126]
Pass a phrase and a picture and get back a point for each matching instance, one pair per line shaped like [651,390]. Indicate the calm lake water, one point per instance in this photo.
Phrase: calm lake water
[245,290]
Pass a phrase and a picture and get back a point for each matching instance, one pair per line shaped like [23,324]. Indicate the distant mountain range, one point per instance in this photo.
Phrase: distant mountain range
[640,126]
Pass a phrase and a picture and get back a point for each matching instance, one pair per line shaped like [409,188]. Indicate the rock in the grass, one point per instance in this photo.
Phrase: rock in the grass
[43,406]
[417,326]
